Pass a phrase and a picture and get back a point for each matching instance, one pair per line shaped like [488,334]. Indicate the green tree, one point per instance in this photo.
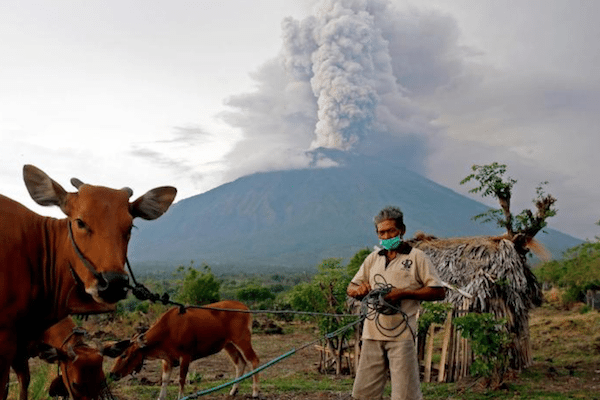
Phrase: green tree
[325,293]
[577,271]
[356,261]
[198,287]
[520,228]
[254,292]
[256,295]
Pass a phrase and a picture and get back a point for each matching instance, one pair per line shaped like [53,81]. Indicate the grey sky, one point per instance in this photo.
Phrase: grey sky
[194,94]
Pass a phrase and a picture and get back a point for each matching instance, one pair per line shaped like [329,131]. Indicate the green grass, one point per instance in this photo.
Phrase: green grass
[566,350]
[38,385]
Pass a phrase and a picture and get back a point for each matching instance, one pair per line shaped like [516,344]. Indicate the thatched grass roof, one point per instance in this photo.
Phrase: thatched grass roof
[490,269]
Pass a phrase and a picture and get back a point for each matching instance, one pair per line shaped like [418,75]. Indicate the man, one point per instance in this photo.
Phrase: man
[388,337]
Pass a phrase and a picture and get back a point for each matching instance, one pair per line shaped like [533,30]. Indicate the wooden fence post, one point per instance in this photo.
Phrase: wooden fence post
[447,334]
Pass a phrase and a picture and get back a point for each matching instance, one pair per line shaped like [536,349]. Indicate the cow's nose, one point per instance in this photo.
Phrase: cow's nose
[113,286]
[113,377]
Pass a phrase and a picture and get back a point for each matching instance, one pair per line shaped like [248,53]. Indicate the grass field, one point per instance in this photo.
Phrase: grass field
[566,348]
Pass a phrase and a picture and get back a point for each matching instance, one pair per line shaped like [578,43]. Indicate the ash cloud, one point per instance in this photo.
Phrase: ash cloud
[347,78]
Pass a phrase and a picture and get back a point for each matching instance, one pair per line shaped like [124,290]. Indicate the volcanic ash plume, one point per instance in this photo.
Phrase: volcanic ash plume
[346,59]
[352,76]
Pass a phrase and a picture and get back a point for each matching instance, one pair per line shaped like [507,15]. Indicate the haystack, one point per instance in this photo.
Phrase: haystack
[497,277]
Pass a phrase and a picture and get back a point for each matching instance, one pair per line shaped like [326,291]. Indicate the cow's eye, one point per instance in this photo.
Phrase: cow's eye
[81,224]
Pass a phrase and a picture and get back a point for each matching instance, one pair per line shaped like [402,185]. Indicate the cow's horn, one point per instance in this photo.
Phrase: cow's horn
[76,182]
[128,191]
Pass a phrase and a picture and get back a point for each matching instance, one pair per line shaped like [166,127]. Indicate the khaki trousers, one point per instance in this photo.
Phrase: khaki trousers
[376,359]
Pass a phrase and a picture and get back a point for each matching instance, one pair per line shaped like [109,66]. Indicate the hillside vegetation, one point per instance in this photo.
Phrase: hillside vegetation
[576,273]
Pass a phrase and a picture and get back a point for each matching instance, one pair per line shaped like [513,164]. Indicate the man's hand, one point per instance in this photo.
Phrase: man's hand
[358,291]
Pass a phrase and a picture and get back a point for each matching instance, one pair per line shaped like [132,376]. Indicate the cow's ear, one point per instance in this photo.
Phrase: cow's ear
[43,189]
[141,340]
[154,203]
[116,349]
[58,388]
[52,354]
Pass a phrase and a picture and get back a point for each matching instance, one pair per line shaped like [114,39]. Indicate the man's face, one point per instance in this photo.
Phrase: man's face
[387,229]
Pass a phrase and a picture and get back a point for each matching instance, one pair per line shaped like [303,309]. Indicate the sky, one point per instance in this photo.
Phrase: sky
[195,94]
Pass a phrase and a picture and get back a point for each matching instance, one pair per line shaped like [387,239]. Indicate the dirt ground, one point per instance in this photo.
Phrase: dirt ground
[566,348]
[212,370]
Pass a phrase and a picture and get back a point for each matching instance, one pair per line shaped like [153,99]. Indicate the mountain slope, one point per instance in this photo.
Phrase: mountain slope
[296,218]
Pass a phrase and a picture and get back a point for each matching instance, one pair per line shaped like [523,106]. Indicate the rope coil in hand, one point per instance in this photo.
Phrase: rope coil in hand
[373,305]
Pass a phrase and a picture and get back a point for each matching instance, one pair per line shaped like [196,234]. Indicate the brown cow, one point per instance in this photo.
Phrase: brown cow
[179,338]
[81,377]
[51,268]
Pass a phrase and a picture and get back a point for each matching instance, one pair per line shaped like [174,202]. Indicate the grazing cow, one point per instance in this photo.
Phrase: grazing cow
[81,377]
[179,338]
[51,268]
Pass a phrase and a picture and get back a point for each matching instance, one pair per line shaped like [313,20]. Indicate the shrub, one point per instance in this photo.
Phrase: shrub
[577,271]
[325,293]
[198,287]
[254,293]
[489,341]
[433,313]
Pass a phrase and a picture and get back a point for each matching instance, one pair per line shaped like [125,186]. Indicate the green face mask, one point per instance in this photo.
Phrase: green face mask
[391,244]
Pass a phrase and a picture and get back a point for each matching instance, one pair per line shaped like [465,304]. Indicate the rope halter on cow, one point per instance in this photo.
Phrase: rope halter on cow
[85,261]
[103,391]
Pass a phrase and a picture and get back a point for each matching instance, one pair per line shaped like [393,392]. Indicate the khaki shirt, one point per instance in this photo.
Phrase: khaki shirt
[412,271]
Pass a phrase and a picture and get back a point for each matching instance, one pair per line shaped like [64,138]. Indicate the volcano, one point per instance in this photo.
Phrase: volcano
[296,218]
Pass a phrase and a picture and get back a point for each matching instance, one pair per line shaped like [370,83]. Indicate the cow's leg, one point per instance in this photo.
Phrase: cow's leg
[244,344]
[4,384]
[238,362]
[167,368]
[183,371]
[21,368]
[4,375]
[7,355]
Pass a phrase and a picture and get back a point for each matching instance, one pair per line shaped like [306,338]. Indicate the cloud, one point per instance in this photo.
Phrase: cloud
[346,78]
[440,91]
[188,136]
[185,153]
[544,126]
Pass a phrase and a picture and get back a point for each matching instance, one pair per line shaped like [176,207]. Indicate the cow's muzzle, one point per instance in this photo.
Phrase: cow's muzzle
[113,286]
[114,376]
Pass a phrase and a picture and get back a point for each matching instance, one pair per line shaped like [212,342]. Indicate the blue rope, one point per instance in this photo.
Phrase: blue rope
[247,375]
[273,361]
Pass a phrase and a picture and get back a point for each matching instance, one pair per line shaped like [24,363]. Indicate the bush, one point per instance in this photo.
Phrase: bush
[433,313]
[254,293]
[577,271]
[325,293]
[356,261]
[198,287]
[489,341]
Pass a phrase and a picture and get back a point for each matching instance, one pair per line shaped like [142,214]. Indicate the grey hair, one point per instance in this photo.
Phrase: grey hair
[390,212]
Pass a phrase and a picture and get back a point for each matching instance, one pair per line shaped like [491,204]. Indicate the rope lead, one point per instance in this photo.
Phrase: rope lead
[241,378]
[372,306]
